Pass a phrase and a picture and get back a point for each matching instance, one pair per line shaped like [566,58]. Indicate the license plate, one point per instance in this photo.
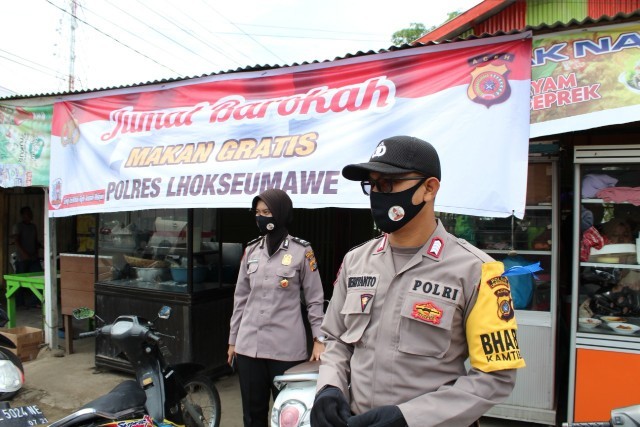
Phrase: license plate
[22,416]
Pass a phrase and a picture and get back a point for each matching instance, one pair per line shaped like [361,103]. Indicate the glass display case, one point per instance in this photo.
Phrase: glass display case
[520,242]
[171,257]
[150,249]
[605,324]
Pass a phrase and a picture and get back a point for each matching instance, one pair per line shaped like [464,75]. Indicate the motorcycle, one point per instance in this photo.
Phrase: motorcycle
[292,406]
[11,369]
[161,394]
[628,416]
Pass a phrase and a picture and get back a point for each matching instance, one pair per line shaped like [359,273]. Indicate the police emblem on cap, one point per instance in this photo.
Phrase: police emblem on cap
[396,213]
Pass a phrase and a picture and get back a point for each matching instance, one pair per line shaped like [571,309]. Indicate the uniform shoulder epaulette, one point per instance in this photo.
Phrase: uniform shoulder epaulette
[256,240]
[301,241]
[364,243]
[478,253]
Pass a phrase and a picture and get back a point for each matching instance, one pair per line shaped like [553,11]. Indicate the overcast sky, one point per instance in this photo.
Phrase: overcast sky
[122,42]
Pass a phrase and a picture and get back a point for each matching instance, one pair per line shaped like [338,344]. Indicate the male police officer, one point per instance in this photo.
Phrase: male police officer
[410,306]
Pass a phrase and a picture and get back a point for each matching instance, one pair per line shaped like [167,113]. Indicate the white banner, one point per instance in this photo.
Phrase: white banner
[221,140]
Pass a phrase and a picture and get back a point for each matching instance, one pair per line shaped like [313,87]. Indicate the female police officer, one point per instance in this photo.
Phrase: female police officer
[267,333]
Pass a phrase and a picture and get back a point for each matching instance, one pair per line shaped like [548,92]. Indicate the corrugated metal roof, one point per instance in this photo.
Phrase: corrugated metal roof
[538,29]
[611,7]
[178,79]
[573,24]
[541,11]
[495,17]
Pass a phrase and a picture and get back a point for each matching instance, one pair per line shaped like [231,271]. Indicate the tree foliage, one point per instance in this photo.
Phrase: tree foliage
[416,30]
[407,35]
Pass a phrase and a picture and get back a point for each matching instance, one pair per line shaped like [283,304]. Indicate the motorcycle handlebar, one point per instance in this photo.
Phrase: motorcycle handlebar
[153,337]
[88,334]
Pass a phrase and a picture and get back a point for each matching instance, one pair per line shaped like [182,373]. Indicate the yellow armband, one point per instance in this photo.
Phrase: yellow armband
[491,325]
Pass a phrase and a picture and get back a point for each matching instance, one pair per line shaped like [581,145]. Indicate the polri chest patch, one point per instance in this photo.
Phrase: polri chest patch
[436,289]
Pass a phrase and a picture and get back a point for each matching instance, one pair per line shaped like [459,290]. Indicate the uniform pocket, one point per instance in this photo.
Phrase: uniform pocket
[357,314]
[425,326]
[252,268]
[287,273]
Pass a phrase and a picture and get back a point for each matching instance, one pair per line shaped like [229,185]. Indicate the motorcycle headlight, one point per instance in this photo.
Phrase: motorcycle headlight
[292,413]
[11,378]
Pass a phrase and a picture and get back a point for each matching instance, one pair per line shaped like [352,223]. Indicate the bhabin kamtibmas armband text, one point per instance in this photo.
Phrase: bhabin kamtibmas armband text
[491,325]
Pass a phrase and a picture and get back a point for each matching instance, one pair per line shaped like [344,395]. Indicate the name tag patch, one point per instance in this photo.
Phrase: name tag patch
[362,282]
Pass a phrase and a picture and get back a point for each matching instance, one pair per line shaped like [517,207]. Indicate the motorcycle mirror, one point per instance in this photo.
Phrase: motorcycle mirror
[165,312]
[81,313]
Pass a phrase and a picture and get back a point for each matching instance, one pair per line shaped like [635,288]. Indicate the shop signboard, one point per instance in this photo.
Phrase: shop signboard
[25,134]
[584,79]
[220,140]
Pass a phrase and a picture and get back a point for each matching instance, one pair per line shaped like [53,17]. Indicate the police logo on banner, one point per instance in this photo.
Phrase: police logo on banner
[489,84]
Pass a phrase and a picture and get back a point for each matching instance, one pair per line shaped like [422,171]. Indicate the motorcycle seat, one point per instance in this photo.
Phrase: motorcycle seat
[304,368]
[127,395]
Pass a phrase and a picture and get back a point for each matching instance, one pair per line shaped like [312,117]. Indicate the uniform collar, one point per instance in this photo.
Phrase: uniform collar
[284,245]
[382,245]
[434,248]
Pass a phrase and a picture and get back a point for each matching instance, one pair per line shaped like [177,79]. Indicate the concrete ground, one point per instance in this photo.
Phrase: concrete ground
[59,383]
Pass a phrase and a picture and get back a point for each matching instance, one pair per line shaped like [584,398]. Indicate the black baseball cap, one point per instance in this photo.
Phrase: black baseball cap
[396,155]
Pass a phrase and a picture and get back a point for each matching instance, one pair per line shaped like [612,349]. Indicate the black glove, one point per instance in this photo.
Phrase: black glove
[382,416]
[330,408]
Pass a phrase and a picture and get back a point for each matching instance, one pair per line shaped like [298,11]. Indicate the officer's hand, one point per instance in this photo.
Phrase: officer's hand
[382,416]
[330,408]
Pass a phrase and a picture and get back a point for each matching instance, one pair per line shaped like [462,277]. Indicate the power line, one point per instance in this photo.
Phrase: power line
[211,46]
[307,29]
[113,38]
[33,62]
[182,29]
[244,32]
[137,36]
[302,37]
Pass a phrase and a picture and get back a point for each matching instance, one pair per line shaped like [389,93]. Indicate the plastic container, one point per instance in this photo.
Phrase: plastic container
[179,274]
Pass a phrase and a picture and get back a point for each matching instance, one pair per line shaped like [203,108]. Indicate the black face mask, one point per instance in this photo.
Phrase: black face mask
[391,211]
[266,224]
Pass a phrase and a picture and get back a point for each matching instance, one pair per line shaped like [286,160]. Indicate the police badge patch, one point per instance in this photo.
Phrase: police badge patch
[364,301]
[489,84]
[427,312]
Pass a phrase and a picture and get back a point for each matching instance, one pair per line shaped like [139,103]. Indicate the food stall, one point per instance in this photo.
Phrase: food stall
[605,315]
[169,257]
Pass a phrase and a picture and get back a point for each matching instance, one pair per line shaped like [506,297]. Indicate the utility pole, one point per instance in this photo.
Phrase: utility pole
[72,45]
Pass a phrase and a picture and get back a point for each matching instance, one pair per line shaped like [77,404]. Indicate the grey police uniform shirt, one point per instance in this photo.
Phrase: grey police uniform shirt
[267,318]
[379,354]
